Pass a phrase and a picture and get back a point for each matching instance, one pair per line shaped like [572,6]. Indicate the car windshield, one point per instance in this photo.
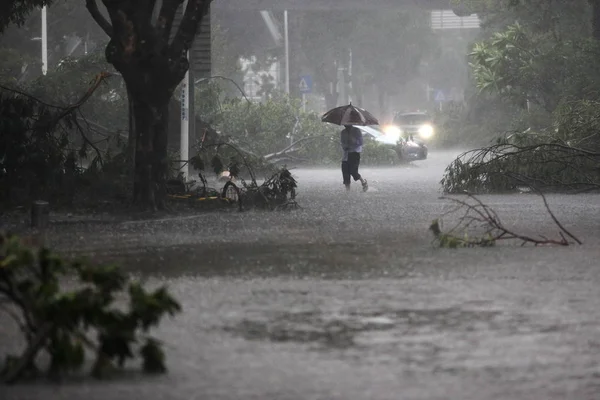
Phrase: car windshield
[411,119]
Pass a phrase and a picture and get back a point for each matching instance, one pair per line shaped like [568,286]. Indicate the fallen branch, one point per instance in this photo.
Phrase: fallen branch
[227,79]
[63,111]
[291,147]
[506,166]
[488,227]
[100,129]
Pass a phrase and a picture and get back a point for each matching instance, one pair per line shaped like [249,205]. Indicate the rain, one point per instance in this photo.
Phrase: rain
[344,200]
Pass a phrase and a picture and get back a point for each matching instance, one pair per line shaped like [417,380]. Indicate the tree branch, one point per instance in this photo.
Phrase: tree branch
[87,140]
[167,13]
[482,215]
[194,12]
[227,79]
[291,146]
[100,129]
[92,7]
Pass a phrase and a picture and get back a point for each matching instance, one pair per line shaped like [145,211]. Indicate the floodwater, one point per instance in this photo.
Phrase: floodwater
[347,298]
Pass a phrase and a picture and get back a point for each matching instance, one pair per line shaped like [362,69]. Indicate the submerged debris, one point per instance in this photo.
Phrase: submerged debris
[480,226]
[278,192]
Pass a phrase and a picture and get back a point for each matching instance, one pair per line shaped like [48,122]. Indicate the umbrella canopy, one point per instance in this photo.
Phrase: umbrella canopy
[349,115]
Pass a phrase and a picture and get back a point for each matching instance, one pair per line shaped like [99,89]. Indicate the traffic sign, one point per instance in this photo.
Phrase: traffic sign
[439,96]
[305,84]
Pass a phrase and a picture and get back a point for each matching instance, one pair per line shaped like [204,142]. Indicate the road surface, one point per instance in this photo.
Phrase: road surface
[348,299]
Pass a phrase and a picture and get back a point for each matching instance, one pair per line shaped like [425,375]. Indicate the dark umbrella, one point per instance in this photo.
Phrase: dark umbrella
[349,115]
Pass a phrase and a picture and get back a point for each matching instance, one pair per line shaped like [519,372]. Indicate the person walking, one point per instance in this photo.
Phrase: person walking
[351,139]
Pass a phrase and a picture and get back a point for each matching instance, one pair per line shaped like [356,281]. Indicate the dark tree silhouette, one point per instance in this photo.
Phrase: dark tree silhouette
[152,65]
[16,11]
[595,18]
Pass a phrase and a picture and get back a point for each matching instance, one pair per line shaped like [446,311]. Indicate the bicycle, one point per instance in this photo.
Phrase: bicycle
[180,189]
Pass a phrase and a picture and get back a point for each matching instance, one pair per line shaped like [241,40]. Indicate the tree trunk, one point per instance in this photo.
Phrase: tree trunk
[150,120]
[131,141]
[151,57]
[595,4]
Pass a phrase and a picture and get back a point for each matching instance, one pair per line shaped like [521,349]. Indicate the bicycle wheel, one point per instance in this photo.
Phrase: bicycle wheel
[232,194]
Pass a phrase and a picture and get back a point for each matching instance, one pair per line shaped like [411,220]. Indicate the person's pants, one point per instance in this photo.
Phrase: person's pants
[350,168]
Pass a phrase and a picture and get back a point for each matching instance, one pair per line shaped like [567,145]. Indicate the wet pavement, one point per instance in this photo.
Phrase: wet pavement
[348,299]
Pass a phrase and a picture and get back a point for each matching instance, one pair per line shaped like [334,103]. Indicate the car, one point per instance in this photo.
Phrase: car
[408,149]
[411,149]
[415,128]
[416,125]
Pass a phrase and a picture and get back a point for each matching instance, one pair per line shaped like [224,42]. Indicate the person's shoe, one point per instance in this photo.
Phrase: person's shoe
[365,185]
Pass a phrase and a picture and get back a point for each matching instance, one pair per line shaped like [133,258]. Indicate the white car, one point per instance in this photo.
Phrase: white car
[416,126]
[379,135]
[407,149]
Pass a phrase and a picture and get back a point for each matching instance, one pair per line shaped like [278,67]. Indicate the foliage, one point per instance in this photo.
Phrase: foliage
[67,322]
[104,115]
[279,131]
[277,191]
[378,154]
[561,19]
[522,67]
[554,147]
[266,128]
[531,56]
[39,157]
[16,11]
[71,33]
[144,47]
[535,162]
[577,123]
[14,66]
[35,159]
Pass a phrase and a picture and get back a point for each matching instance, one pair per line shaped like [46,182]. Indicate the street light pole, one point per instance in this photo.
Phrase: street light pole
[350,89]
[287,51]
[44,41]
[184,140]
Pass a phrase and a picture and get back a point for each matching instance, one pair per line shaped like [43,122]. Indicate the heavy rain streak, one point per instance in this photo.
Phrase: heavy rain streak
[299,199]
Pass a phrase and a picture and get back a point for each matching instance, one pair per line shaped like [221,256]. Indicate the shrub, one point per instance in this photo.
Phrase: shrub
[66,323]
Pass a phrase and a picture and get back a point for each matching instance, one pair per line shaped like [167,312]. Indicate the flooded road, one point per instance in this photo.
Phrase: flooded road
[347,299]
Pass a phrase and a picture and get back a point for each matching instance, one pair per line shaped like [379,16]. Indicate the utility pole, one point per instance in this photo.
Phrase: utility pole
[184,141]
[44,41]
[350,91]
[341,84]
[287,51]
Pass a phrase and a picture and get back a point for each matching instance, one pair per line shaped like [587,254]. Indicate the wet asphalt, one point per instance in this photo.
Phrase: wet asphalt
[347,298]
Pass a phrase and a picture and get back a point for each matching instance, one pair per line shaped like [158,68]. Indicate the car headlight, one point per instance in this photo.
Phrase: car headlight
[426,131]
[392,130]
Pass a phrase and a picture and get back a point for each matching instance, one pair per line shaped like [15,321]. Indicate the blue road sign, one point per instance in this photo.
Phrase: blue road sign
[305,84]
[440,97]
